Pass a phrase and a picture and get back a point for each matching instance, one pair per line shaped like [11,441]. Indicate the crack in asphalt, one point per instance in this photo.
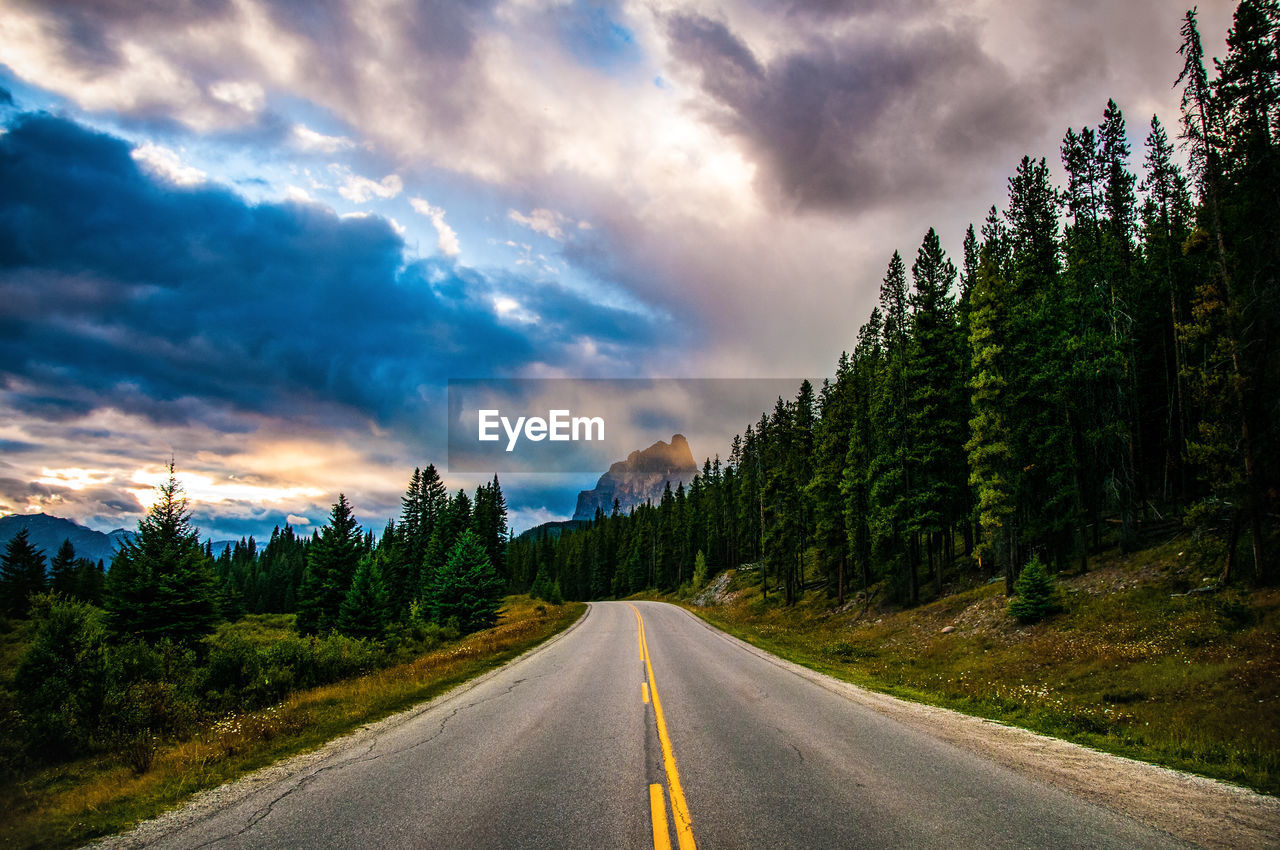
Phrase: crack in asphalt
[365,757]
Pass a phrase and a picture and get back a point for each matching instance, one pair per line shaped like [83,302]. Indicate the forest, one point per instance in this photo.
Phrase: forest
[1099,363]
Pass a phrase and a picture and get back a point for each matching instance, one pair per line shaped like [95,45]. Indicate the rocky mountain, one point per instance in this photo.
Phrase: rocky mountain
[47,533]
[640,478]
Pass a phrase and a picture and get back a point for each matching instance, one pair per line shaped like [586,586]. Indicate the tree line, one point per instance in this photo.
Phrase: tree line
[1101,359]
[119,661]
[165,584]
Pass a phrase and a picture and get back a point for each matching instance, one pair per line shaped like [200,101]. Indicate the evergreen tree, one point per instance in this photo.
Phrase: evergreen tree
[1035,596]
[331,564]
[90,581]
[1166,226]
[22,575]
[935,414]
[468,588]
[62,570]
[889,473]
[364,611]
[161,584]
[831,450]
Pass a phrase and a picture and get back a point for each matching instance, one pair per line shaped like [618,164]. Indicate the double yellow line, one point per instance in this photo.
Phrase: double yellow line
[657,805]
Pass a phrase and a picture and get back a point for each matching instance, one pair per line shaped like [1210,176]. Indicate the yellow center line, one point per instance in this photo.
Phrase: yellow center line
[658,810]
[679,808]
[644,692]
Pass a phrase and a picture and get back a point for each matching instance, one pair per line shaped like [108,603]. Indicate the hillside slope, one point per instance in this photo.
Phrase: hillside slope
[1149,659]
[47,533]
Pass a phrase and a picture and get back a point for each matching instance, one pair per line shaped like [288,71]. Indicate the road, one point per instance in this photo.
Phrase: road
[564,749]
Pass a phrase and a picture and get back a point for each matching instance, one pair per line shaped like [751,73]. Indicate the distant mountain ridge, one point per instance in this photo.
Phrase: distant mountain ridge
[640,478]
[47,533]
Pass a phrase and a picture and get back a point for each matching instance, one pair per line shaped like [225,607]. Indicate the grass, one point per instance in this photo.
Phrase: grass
[68,804]
[1186,681]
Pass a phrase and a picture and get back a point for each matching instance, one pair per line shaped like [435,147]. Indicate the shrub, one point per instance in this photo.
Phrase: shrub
[150,695]
[699,571]
[1036,593]
[60,681]
[233,667]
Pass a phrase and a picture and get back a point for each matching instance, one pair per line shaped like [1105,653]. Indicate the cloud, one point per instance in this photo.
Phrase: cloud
[360,190]
[547,222]
[245,96]
[186,304]
[309,140]
[446,237]
[165,163]
[294,519]
[861,118]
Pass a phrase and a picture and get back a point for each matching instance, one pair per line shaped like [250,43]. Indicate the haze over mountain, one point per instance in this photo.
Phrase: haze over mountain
[47,533]
[640,478]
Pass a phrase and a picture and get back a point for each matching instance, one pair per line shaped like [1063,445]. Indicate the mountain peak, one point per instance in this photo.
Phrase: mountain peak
[641,477]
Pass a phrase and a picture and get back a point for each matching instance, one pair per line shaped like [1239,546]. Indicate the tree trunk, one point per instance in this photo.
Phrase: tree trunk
[1233,539]
[937,564]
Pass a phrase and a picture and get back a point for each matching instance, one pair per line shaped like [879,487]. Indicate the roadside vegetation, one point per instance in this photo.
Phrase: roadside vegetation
[1146,657]
[239,710]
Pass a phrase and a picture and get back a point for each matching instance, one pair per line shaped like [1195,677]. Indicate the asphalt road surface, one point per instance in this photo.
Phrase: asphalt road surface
[642,727]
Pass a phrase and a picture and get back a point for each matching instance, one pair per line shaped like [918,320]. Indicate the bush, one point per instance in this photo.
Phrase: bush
[150,695]
[700,571]
[60,681]
[1036,593]
[234,666]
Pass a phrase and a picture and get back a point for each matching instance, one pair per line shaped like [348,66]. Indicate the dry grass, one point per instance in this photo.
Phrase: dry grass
[71,803]
[1187,681]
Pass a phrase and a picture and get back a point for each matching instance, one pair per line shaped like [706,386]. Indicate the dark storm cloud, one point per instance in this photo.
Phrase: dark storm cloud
[853,121]
[190,305]
[17,447]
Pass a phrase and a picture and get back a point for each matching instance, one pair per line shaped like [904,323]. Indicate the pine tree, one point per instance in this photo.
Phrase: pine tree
[90,580]
[364,611]
[888,473]
[991,453]
[468,588]
[62,570]
[331,564]
[1035,596]
[1234,155]
[161,584]
[936,407]
[831,449]
[22,574]
[1166,226]
[855,485]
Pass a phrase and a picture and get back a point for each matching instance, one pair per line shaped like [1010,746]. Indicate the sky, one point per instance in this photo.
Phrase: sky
[259,237]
